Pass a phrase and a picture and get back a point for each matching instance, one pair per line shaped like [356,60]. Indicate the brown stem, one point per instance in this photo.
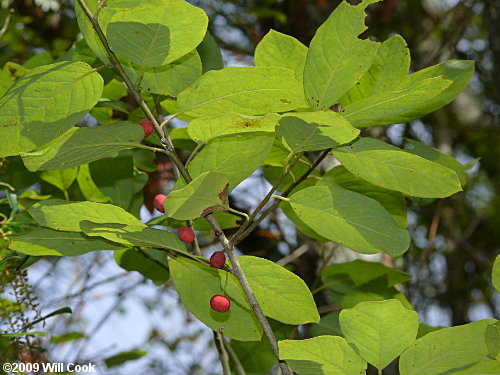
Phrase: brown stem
[234,358]
[169,150]
[238,273]
[224,360]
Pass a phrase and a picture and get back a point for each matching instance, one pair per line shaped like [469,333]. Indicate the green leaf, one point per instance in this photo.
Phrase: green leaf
[39,59]
[71,336]
[144,160]
[115,90]
[363,272]
[392,201]
[156,32]
[170,105]
[235,156]
[181,139]
[115,105]
[484,367]
[43,241]
[313,131]
[351,296]
[354,282]
[458,71]
[281,50]
[15,173]
[134,235]
[299,223]
[277,156]
[386,73]
[202,130]
[495,276]
[337,59]
[83,145]
[26,198]
[328,325]
[244,90]
[323,355]
[380,331]
[424,329]
[205,194]
[281,294]
[437,156]
[432,354]
[46,102]
[80,51]
[88,187]
[257,357]
[121,358]
[88,30]
[63,310]
[83,217]
[210,54]
[393,107]
[151,237]
[492,336]
[389,167]
[60,178]
[196,284]
[133,260]
[351,219]
[169,79]
[115,182]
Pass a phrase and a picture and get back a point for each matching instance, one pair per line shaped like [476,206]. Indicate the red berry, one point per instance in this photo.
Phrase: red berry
[217,260]
[158,202]
[185,234]
[220,303]
[148,127]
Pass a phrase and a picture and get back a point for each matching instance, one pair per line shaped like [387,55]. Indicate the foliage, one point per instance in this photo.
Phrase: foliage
[240,119]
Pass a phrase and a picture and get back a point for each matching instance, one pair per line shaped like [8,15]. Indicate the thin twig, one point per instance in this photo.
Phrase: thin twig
[177,254]
[234,358]
[6,23]
[193,153]
[125,77]
[196,245]
[219,343]
[432,234]
[276,203]
[238,273]
[144,147]
[169,119]
[7,185]
[294,255]
[99,8]
[241,230]
[92,286]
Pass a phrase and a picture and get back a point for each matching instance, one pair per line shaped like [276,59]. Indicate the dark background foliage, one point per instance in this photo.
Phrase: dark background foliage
[454,239]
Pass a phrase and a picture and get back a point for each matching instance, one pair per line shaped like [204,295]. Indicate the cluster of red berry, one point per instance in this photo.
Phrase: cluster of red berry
[184,233]
[218,302]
